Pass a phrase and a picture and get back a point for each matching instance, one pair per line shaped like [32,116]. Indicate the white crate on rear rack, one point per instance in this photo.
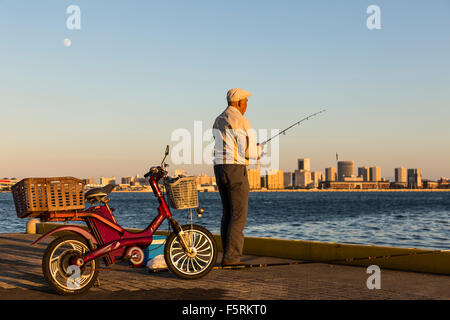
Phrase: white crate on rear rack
[182,193]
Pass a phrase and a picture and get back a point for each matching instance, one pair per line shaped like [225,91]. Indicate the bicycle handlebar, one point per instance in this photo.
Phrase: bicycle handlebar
[154,171]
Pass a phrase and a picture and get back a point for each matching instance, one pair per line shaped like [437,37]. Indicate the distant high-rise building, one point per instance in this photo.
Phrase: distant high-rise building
[304,164]
[89,181]
[375,174]
[126,180]
[263,181]
[254,178]
[364,173]
[401,175]
[104,181]
[415,178]
[204,179]
[302,178]
[345,169]
[330,174]
[275,179]
[316,178]
[288,179]
[135,180]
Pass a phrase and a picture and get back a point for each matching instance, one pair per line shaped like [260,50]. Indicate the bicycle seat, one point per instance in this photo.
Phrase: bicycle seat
[172,179]
[98,194]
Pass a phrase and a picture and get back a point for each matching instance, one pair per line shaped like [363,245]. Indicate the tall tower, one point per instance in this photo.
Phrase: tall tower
[254,178]
[375,174]
[401,175]
[288,179]
[302,178]
[345,169]
[330,174]
[415,178]
[364,172]
[275,179]
[304,164]
[316,178]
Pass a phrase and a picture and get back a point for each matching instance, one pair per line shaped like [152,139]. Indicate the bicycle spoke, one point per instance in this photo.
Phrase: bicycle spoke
[197,239]
[204,255]
[77,247]
[192,263]
[54,268]
[203,244]
[205,249]
[197,262]
[201,240]
[54,260]
[205,261]
[176,254]
[182,256]
[182,263]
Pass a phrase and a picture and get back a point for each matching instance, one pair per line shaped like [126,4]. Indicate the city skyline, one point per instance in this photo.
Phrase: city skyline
[344,176]
[306,163]
[341,178]
[108,103]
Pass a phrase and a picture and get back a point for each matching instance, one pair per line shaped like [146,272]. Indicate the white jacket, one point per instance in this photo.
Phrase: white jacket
[235,140]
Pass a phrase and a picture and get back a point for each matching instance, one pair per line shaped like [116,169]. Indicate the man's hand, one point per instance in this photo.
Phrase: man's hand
[259,150]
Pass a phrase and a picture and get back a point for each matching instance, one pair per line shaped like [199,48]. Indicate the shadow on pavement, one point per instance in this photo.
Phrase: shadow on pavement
[156,294]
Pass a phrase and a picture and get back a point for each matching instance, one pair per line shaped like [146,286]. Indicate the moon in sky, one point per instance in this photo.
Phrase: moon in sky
[67,42]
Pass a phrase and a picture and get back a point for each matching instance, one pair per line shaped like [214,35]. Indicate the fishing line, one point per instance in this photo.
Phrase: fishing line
[351,259]
[276,264]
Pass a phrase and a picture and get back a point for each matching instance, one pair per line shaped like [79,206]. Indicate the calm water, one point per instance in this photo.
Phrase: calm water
[407,219]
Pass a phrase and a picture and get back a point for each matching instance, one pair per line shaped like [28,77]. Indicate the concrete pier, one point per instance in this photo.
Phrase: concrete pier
[21,278]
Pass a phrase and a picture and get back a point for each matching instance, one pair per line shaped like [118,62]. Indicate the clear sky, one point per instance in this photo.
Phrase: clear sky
[138,70]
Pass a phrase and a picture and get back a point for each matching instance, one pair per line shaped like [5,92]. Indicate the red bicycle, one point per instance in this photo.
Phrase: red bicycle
[71,262]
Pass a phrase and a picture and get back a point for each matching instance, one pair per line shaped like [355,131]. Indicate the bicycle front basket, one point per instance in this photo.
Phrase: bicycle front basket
[182,193]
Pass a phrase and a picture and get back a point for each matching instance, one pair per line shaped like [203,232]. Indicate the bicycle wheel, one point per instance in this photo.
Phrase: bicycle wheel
[62,277]
[200,261]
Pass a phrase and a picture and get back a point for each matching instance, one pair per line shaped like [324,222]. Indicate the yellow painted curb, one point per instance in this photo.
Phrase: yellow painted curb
[407,259]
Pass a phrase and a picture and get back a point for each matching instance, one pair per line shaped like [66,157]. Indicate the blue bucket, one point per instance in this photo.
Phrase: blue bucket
[154,249]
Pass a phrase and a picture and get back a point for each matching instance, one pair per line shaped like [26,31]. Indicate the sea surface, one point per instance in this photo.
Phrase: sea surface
[406,219]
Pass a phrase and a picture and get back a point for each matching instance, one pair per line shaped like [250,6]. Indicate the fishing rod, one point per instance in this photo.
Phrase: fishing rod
[297,123]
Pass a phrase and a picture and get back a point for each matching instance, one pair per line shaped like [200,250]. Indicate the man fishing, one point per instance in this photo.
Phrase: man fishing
[235,144]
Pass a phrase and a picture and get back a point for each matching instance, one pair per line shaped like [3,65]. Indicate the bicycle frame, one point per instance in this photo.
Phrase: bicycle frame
[106,237]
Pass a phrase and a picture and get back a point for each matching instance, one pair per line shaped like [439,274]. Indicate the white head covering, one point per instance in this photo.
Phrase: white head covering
[237,94]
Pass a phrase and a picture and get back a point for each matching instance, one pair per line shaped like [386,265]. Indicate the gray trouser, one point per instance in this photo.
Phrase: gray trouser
[232,181]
